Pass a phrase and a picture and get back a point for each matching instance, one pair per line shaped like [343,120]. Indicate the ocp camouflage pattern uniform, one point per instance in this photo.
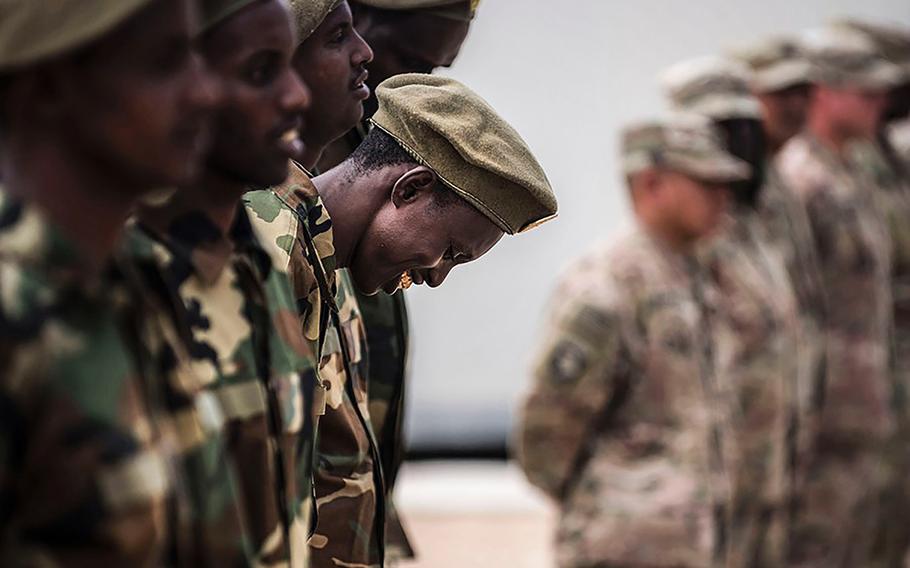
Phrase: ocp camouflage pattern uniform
[348,477]
[836,517]
[753,322]
[618,426]
[248,353]
[86,361]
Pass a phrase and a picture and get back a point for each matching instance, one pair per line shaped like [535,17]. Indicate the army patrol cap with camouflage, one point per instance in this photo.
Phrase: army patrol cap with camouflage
[892,41]
[684,143]
[844,57]
[462,10]
[444,125]
[713,86]
[34,30]
[777,63]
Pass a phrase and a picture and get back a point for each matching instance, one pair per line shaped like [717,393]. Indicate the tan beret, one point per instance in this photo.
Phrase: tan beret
[462,10]
[35,30]
[216,11]
[685,143]
[892,41]
[844,57]
[777,63]
[449,128]
[713,86]
[309,14]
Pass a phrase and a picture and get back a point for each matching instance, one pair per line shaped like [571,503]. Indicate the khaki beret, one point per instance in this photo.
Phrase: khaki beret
[892,41]
[777,63]
[461,10]
[35,30]
[216,11]
[713,86]
[309,14]
[449,128]
[685,143]
[844,57]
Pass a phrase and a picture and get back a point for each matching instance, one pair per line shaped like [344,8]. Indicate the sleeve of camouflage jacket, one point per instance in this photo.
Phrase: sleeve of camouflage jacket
[576,375]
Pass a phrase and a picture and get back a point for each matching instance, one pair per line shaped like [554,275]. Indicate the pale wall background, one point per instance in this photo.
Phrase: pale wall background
[567,74]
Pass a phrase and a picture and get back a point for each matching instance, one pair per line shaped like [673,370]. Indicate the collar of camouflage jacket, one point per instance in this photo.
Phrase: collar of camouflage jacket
[195,244]
[27,238]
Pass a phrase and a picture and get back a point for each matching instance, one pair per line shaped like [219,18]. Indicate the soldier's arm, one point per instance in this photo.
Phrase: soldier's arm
[575,378]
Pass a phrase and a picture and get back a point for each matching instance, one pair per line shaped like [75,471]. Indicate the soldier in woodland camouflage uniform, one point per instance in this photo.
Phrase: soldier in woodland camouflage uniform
[619,425]
[415,210]
[753,321]
[239,314]
[836,521]
[96,423]
[406,36]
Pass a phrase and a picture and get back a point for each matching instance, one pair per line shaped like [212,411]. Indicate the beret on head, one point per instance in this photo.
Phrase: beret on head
[777,63]
[685,143]
[35,30]
[713,86]
[461,10]
[216,11]
[309,14]
[449,128]
[846,57]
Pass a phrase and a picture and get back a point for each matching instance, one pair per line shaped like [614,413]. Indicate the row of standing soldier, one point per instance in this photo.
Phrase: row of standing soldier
[185,356]
[729,388]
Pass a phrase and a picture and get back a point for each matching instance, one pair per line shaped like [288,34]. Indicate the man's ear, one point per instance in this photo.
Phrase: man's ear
[415,184]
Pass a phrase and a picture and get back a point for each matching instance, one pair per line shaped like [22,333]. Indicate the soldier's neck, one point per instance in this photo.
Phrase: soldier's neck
[81,198]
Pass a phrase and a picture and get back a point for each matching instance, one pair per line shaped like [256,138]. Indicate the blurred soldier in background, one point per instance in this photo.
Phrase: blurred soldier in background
[406,36]
[239,313]
[388,216]
[884,169]
[836,521]
[753,322]
[619,427]
[101,102]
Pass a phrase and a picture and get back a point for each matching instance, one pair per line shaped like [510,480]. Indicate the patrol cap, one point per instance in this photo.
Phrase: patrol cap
[34,30]
[892,41]
[777,63]
[713,86]
[309,14]
[447,127]
[461,10]
[685,143]
[844,57]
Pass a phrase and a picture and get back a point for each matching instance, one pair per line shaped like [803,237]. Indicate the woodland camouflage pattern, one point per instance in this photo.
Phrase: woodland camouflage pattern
[837,515]
[348,476]
[617,426]
[247,351]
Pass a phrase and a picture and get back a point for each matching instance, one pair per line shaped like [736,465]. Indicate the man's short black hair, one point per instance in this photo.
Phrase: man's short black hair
[380,150]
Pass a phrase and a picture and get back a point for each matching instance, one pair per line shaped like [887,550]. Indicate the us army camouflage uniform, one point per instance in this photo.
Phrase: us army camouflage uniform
[881,169]
[835,521]
[385,318]
[248,353]
[899,135]
[618,426]
[753,322]
[89,465]
[348,476]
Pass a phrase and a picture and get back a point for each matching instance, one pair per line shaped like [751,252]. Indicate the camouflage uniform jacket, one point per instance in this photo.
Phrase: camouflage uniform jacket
[835,521]
[348,477]
[385,318]
[88,447]
[899,136]
[247,351]
[618,425]
[755,333]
